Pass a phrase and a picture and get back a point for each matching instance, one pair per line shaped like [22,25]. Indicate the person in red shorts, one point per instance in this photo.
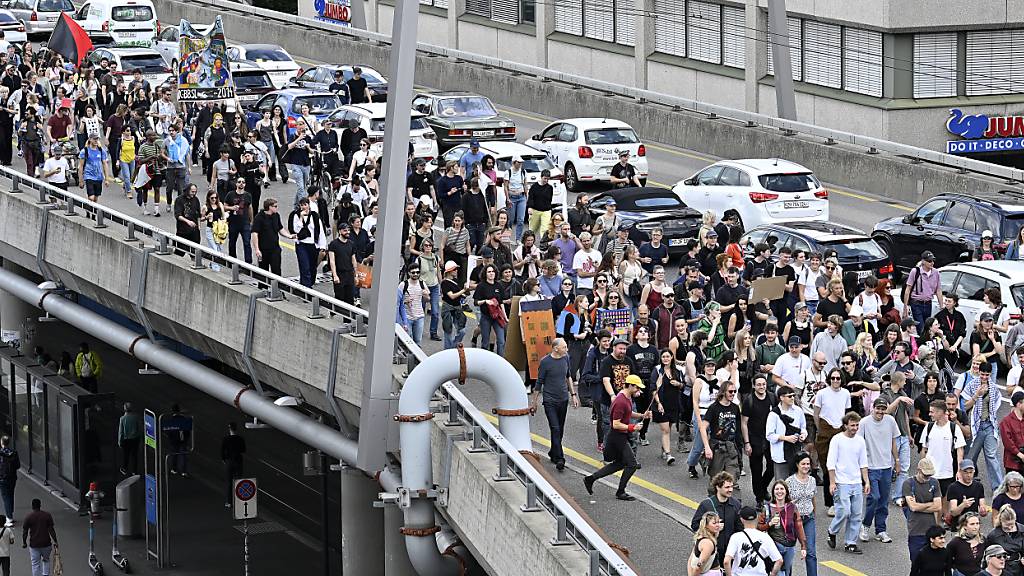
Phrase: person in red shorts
[617,451]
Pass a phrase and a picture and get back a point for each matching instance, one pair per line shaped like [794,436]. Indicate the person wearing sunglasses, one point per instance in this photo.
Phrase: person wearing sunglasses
[1007,535]
[828,408]
[994,561]
[721,434]
[786,431]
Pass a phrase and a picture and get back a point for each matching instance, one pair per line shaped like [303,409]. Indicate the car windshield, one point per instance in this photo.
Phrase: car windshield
[856,249]
[466,106]
[801,182]
[132,13]
[320,104]
[418,123]
[1012,224]
[267,55]
[1018,295]
[611,136]
[250,80]
[145,62]
[55,6]
[530,163]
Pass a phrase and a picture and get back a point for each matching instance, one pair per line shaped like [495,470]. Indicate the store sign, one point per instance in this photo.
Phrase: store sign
[983,133]
[333,11]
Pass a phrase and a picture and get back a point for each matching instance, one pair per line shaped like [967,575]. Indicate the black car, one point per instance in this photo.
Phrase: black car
[855,250]
[458,117]
[950,225]
[322,76]
[647,208]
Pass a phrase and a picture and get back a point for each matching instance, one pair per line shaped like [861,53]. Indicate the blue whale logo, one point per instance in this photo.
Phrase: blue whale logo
[966,126]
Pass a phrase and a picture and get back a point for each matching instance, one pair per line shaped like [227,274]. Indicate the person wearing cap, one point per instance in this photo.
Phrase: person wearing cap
[342,260]
[516,193]
[93,167]
[339,87]
[994,561]
[880,433]
[617,451]
[326,142]
[624,174]
[707,256]
[558,391]
[470,157]
[349,141]
[453,293]
[751,552]
[982,398]
[985,249]
[606,225]
[966,495]
[921,499]
[59,126]
[924,283]
[614,370]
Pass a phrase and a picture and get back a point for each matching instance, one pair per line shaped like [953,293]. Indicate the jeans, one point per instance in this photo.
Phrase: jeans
[903,450]
[920,311]
[486,324]
[517,213]
[7,494]
[40,560]
[306,254]
[476,235]
[810,531]
[300,174]
[244,229]
[876,510]
[416,330]
[915,544]
[985,438]
[126,171]
[435,308]
[849,503]
[787,558]
[556,423]
[698,445]
[213,246]
[176,180]
[272,162]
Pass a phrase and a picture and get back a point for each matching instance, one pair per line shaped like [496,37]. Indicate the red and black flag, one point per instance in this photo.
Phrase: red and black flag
[69,40]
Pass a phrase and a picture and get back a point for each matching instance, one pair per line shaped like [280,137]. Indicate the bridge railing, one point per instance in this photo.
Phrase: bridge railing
[866,144]
[572,528]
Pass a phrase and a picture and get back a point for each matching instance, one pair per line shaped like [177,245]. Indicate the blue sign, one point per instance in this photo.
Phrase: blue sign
[980,146]
[149,424]
[151,499]
[969,126]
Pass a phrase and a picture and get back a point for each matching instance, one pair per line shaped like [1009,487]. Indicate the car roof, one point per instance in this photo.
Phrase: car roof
[586,123]
[294,92]
[376,110]
[819,231]
[1007,269]
[450,93]
[126,51]
[765,165]
[1006,200]
[635,193]
[260,47]
[245,66]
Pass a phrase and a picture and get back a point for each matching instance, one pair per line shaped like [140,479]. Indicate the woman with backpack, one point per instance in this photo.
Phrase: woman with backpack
[415,295]
[309,235]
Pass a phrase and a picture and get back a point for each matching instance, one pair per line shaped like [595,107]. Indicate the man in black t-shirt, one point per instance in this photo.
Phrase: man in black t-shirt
[966,494]
[358,92]
[339,87]
[341,255]
[538,202]
[238,203]
[708,253]
[782,307]
[624,174]
[266,227]
[755,410]
[420,184]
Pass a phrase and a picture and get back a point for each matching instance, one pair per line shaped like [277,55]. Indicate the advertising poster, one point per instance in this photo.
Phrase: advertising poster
[334,11]
[203,72]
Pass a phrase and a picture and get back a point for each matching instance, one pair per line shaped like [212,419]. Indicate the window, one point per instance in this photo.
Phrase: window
[267,55]
[597,21]
[959,215]
[670,27]
[569,17]
[796,243]
[994,65]
[823,63]
[131,13]
[528,12]
[506,11]
[605,20]
[709,176]
[862,61]
[567,134]
[795,54]
[934,65]
[789,182]
[625,23]
[946,279]
[704,32]
[734,37]
[551,133]
[478,7]
[608,136]
[970,287]
[439,3]
[730,177]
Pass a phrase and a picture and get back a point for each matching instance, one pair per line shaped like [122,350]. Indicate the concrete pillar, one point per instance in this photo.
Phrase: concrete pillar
[897,72]
[17,317]
[396,556]
[754,47]
[362,525]
[372,16]
[544,14]
[644,42]
[456,8]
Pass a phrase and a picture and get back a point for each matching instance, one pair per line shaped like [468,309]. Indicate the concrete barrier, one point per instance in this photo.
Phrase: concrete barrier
[882,174]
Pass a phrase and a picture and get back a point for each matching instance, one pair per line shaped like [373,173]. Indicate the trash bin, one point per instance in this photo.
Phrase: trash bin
[128,500]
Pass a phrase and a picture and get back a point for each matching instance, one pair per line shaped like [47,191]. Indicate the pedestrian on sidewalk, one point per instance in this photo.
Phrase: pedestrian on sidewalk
[177,430]
[554,382]
[39,536]
[129,434]
[6,542]
[88,367]
[232,449]
[617,451]
[10,463]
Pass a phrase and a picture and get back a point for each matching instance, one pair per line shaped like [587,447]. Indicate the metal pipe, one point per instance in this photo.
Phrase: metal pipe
[417,467]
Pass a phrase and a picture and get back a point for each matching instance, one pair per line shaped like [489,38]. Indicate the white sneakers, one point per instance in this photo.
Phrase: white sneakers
[883,537]
[865,535]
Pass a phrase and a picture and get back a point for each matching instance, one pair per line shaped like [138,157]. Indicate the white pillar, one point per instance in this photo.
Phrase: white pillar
[544,14]
[371,16]
[362,525]
[644,42]
[755,44]
[456,8]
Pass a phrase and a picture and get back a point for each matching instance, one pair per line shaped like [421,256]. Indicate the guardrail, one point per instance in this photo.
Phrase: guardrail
[789,127]
[572,528]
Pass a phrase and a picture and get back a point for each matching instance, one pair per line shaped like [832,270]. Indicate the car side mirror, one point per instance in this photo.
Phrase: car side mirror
[690,181]
[535,137]
[964,257]
[909,219]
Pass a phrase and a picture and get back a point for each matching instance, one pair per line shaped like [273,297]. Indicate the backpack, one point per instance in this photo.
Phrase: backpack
[912,286]
[756,548]
[86,370]
[9,465]
[954,430]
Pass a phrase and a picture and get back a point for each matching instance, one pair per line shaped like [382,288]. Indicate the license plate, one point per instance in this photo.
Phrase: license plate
[51,18]
[127,34]
[676,241]
[862,274]
[790,204]
[483,133]
[248,97]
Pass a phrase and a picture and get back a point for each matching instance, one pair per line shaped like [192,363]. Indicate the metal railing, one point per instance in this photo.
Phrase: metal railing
[868,144]
[572,527]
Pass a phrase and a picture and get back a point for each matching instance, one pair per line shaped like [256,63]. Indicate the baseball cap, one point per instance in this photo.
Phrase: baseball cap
[799,306]
[343,226]
[620,340]
[748,513]
[624,227]
[880,403]
[711,234]
[623,153]
[517,159]
[856,310]
[635,380]
[928,256]
[694,285]
[986,316]
[487,252]
[474,142]
[967,464]
[908,323]
[611,202]
[994,550]
[986,234]
[926,466]
[794,341]
[449,266]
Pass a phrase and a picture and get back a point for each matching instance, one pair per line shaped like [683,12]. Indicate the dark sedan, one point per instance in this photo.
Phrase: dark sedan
[322,76]
[855,250]
[648,208]
[458,117]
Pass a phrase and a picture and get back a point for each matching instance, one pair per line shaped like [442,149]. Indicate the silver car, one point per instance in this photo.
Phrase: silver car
[39,16]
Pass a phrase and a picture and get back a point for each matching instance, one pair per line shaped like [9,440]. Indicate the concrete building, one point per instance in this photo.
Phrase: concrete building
[892,70]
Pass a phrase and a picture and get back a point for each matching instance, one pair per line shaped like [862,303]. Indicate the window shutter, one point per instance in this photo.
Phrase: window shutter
[734,37]
[625,22]
[993,62]
[823,60]
[795,52]
[441,4]
[670,27]
[569,18]
[479,7]
[862,61]
[704,31]
[506,11]
[598,20]
[934,65]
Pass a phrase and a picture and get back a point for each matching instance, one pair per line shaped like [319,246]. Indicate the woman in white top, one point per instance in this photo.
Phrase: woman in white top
[632,271]
[312,126]
[310,239]
[361,159]
[703,561]
[90,123]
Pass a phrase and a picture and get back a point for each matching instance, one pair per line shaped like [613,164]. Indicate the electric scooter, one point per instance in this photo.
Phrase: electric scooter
[115,555]
[94,497]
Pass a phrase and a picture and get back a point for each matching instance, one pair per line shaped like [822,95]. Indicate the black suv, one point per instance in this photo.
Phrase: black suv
[855,251]
[950,225]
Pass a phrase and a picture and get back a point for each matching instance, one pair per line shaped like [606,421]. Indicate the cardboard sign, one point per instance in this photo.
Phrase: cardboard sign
[515,350]
[538,328]
[771,288]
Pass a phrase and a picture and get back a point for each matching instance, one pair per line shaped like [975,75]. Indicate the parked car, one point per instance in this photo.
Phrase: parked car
[970,280]
[588,148]
[950,225]
[167,42]
[14,30]
[763,191]
[250,81]
[855,250]
[153,67]
[321,105]
[647,208]
[38,16]
[120,22]
[272,58]
[322,76]
[458,117]
[371,119]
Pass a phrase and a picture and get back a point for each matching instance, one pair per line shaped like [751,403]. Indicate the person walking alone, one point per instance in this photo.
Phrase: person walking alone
[232,449]
[10,463]
[88,367]
[128,436]
[40,537]
[617,451]
[557,388]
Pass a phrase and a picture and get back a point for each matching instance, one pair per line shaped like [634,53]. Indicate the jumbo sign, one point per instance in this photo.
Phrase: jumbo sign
[984,133]
[334,11]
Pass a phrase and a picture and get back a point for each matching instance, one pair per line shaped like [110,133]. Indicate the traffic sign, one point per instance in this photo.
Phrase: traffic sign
[245,493]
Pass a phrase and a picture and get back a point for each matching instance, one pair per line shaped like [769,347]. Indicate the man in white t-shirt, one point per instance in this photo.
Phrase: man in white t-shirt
[1013,376]
[789,368]
[939,442]
[55,171]
[585,263]
[750,550]
[848,481]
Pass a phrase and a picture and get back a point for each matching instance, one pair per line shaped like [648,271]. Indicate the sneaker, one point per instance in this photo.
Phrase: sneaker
[883,537]
[625,496]
[118,180]
[156,212]
[9,523]
[645,442]
[669,459]
[831,511]
[865,534]
[832,541]
[435,337]
[145,210]
[560,465]
[743,472]
[167,209]
[693,473]
[593,418]
[588,483]
[853,549]
[227,504]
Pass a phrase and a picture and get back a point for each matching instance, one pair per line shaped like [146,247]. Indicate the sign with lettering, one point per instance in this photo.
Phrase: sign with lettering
[203,72]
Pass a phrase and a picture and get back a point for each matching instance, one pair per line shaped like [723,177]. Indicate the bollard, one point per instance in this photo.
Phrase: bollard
[561,537]
[131,233]
[100,217]
[531,497]
[275,292]
[235,271]
[71,207]
[503,475]
[162,248]
[197,262]
[314,312]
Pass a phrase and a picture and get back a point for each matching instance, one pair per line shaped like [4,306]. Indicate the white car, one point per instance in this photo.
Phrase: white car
[371,119]
[587,148]
[534,161]
[38,16]
[970,280]
[763,191]
[119,22]
[271,57]
[14,30]
[168,43]
[153,67]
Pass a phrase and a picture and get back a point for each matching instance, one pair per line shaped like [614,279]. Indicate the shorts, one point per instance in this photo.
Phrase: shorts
[93,187]
[669,416]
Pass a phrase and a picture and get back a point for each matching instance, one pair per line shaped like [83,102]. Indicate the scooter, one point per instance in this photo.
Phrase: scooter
[115,555]
[94,497]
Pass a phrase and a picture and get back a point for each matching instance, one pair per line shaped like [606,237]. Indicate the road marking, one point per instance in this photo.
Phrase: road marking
[658,184]
[286,245]
[842,569]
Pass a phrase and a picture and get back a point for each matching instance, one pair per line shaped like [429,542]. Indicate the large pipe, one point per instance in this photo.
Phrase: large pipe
[415,430]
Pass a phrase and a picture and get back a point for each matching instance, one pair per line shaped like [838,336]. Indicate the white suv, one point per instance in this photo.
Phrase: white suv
[970,280]
[371,119]
[763,191]
[588,148]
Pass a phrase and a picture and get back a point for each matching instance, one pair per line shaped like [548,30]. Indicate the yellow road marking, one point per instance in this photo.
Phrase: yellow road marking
[841,568]
[286,245]
[679,152]
[657,184]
